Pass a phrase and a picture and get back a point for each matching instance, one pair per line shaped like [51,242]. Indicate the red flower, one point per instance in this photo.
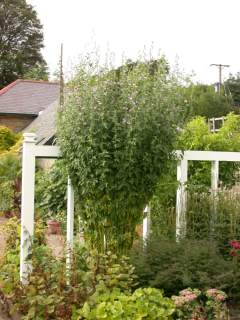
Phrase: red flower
[233,253]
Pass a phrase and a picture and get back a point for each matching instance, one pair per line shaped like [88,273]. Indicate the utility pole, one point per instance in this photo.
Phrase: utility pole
[61,97]
[220,67]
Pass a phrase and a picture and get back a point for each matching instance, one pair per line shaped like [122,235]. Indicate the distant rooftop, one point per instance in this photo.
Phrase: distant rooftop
[28,97]
[45,124]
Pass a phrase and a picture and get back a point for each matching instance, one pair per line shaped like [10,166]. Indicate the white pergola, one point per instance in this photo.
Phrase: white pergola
[31,151]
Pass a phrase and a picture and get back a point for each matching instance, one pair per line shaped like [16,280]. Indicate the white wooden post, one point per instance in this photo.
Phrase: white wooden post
[181,202]
[214,176]
[146,223]
[27,207]
[70,222]
[214,190]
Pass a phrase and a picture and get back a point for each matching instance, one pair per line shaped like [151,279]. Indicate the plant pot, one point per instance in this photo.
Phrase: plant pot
[54,227]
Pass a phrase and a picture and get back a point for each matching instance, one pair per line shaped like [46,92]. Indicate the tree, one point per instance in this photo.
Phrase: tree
[205,102]
[38,72]
[232,86]
[116,135]
[21,40]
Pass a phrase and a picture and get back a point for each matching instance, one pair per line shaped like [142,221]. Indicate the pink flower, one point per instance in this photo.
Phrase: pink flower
[178,301]
[216,294]
[185,292]
[190,297]
[220,297]
[235,244]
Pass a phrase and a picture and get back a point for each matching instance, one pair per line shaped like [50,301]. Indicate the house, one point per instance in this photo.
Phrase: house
[23,101]
[45,125]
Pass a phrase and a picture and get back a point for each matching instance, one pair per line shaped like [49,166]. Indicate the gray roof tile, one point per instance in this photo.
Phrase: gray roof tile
[45,124]
[28,96]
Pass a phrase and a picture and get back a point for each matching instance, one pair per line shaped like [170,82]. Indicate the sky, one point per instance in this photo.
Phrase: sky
[191,33]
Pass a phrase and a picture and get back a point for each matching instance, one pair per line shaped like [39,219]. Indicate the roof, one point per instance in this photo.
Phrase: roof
[28,97]
[45,124]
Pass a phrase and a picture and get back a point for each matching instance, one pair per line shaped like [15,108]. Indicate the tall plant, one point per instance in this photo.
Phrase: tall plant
[116,134]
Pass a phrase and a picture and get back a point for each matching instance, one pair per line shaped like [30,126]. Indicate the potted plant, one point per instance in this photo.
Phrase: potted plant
[54,227]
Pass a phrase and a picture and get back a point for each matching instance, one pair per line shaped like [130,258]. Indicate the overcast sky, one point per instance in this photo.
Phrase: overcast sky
[198,32]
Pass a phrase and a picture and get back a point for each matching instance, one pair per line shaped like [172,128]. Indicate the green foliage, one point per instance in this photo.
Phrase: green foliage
[196,136]
[10,167]
[147,303]
[10,181]
[50,292]
[21,40]
[10,263]
[7,138]
[214,218]
[205,102]
[51,190]
[9,171]
[232,85]
[162,204]
[112,271]
[38,72]
[6,196]
[116,134]
[197,264]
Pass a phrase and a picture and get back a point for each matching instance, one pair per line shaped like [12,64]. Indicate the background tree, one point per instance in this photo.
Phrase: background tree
[232,87]
[205,102]
[21,41]
[38,72]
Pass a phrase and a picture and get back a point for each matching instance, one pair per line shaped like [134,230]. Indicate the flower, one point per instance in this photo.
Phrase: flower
[190,293]
[178,301]
[216,294]
[233,253]
[235,244]
[221,297]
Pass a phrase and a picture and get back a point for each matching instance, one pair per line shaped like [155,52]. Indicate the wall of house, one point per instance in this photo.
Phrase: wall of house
[15,122]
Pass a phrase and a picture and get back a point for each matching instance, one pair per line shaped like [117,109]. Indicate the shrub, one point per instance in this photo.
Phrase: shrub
[10,173]
[148,303]
[7,138]
[116,135]
[112,271]
[173,266]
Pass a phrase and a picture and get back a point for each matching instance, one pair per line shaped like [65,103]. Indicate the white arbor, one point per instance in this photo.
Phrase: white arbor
[182,176]
[31,151]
